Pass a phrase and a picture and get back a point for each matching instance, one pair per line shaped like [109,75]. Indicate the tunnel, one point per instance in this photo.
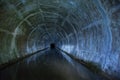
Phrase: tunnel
[74,32]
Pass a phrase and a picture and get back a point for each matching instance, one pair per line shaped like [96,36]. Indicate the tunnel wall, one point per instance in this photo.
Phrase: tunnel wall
[87,29]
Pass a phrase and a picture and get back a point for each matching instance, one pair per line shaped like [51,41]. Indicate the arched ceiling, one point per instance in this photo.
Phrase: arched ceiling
[86,28]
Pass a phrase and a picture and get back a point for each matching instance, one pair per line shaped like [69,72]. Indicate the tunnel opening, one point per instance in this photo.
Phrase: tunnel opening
[52,45]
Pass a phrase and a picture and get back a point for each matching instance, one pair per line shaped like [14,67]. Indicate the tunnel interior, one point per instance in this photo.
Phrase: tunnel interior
[87,29]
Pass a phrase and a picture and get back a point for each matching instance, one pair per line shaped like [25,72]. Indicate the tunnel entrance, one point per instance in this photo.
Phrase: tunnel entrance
[52,45]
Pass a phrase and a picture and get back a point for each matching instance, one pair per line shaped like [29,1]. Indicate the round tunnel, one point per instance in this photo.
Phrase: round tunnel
[87,29]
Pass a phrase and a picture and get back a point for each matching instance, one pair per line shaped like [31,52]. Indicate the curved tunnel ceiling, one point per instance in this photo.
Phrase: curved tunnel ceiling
[88,29]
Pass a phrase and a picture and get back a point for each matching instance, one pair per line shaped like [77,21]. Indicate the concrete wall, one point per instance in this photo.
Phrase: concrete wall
[88,29]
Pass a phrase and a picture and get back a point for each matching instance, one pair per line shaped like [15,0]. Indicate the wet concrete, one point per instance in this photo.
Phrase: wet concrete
[50,64]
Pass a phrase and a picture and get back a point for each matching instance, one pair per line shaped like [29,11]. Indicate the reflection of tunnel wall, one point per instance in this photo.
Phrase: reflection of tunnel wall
[88,29]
